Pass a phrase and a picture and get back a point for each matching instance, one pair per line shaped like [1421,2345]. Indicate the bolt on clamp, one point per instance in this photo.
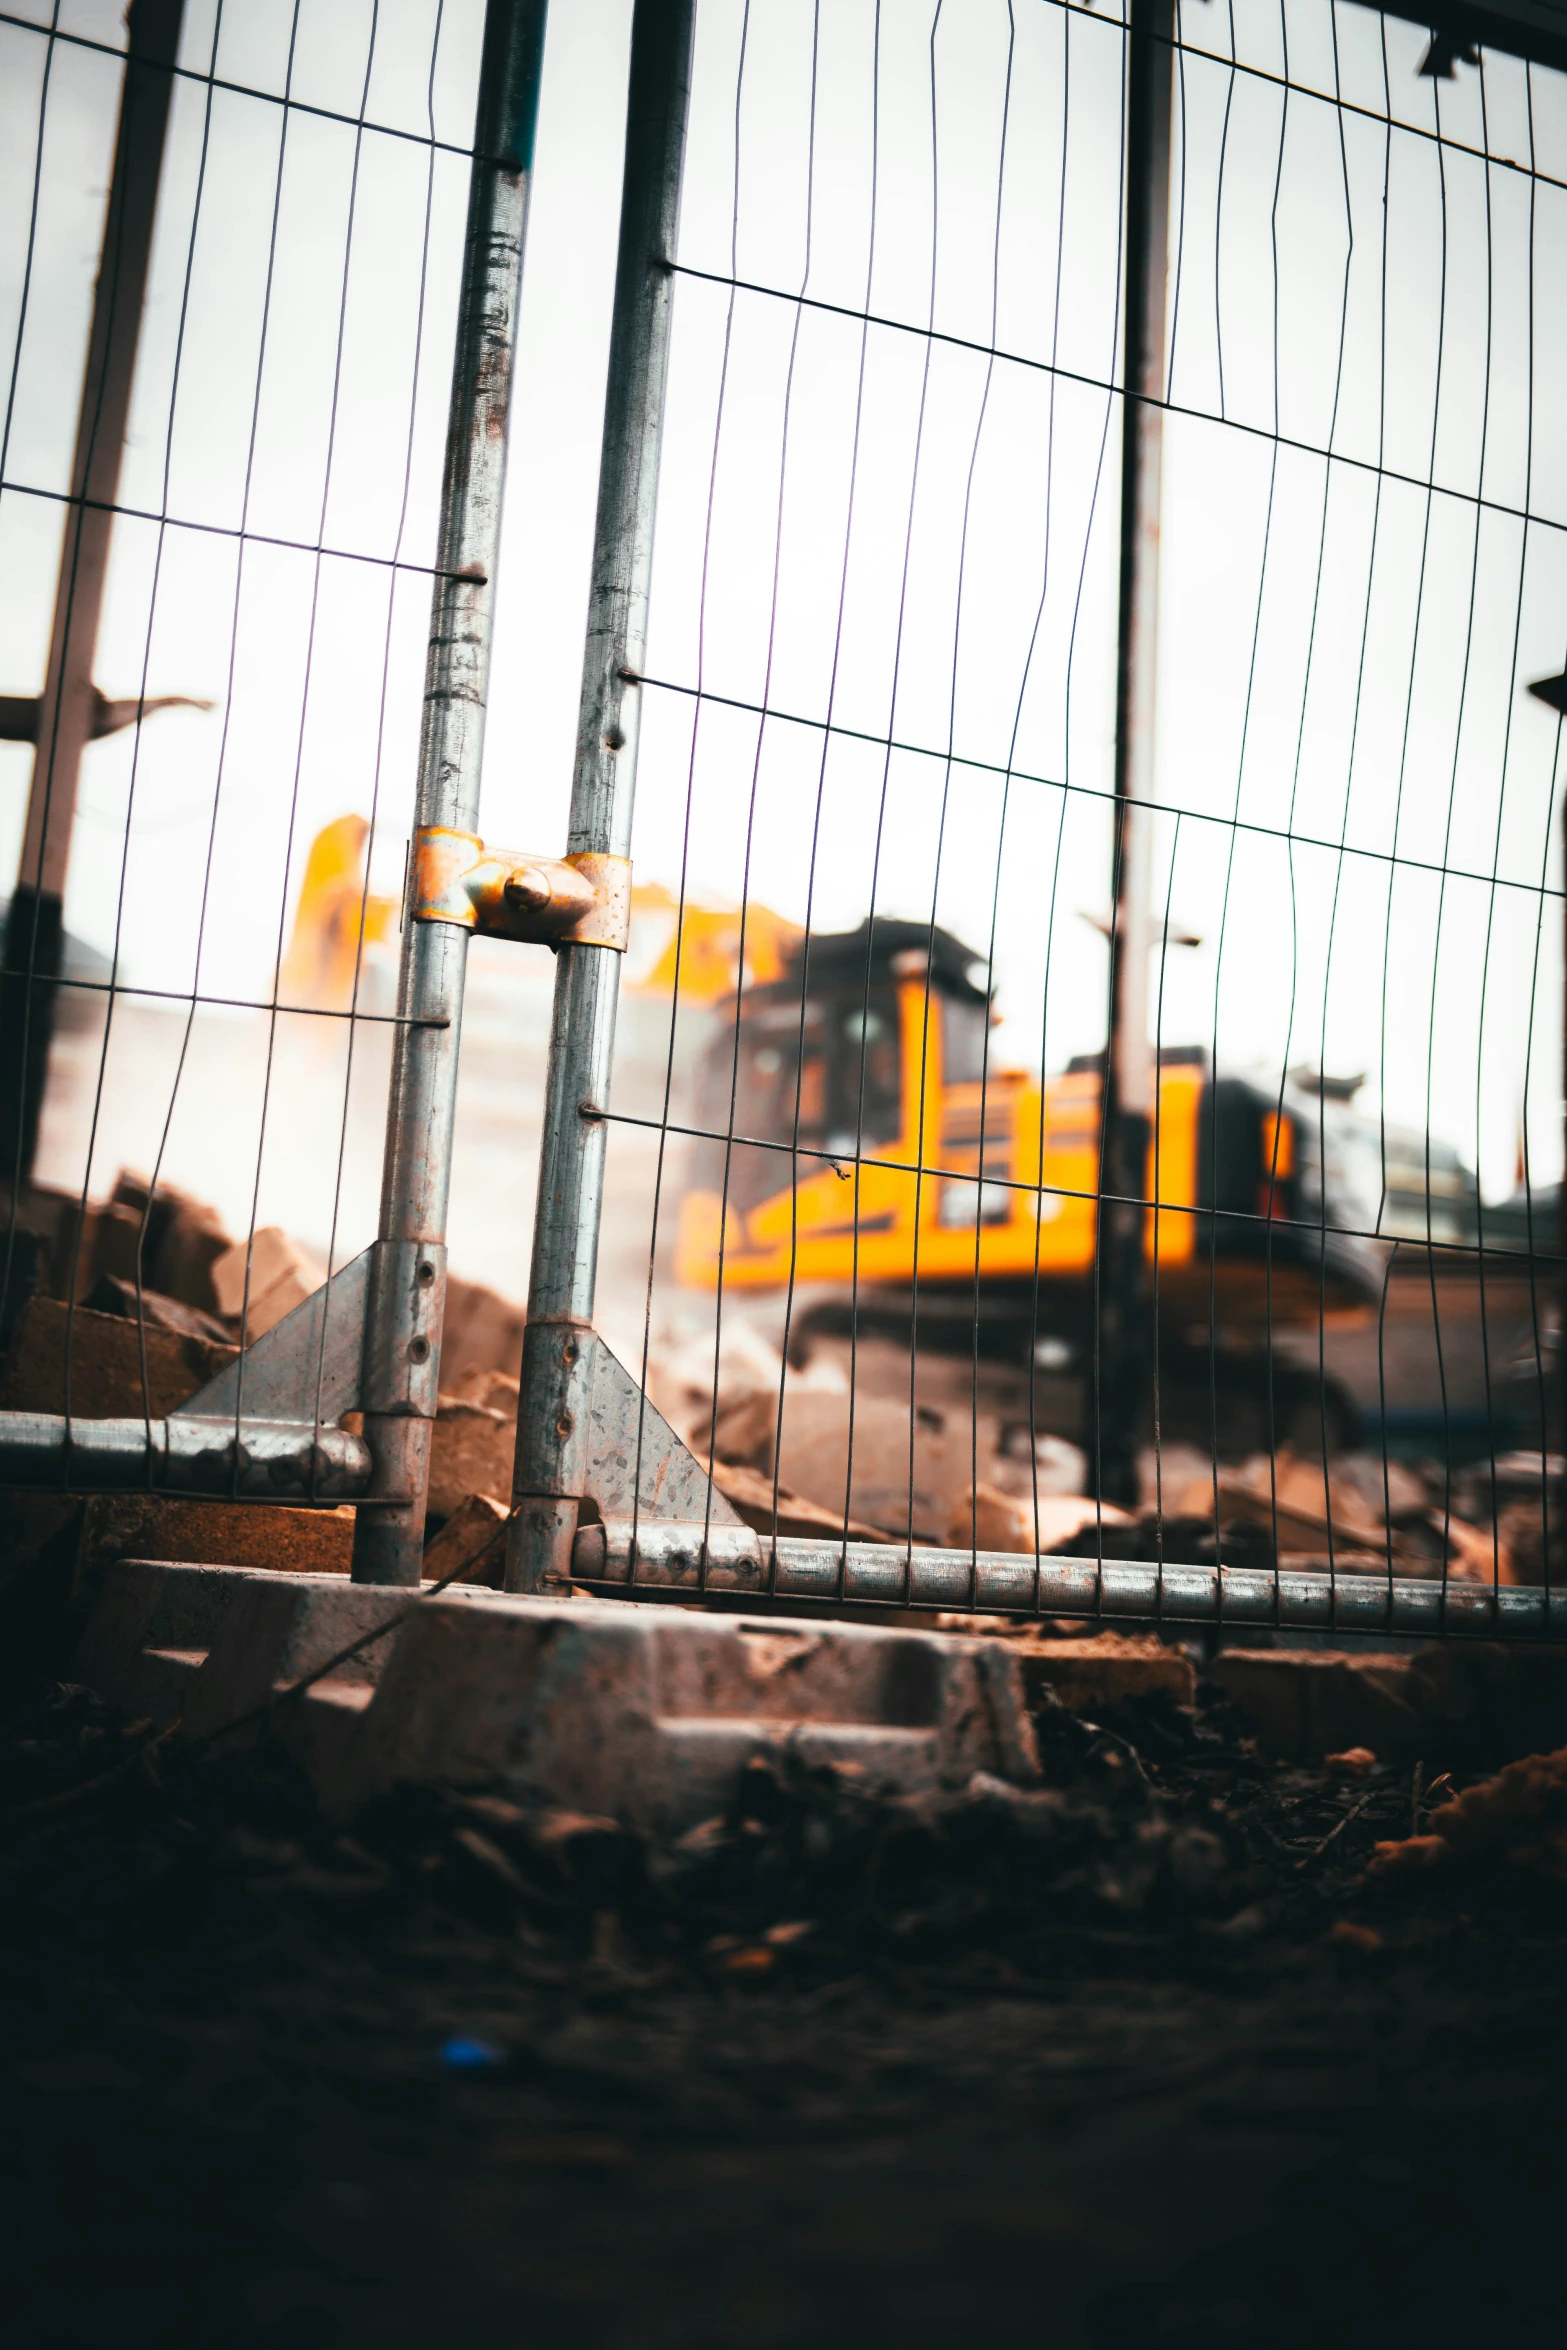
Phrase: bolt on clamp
[581,900]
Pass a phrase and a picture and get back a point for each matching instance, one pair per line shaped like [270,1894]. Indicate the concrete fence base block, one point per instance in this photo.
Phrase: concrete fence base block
[646,1713]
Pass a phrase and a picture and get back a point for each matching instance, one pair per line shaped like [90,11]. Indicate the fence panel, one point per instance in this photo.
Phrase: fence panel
[1073,1098]
[305,210]
[924,793]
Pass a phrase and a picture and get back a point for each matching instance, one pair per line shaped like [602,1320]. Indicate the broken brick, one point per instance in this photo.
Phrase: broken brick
[471,1546]
[990,1519]
[482,1332]
[110,1295]
[106,1353]
[281,1276]
[1305,1703]
[160,1236]
[767,1508]
[472,1450]
[1091,1675]
[211,1534]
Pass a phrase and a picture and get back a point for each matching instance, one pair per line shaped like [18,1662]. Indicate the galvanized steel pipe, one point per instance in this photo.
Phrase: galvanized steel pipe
[67,713]
[253,1460]
[553,1417]
[1126,1335]
[734,1559]
[401,1363]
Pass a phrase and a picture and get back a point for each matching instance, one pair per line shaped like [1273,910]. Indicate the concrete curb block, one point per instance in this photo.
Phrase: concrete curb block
[645,1713]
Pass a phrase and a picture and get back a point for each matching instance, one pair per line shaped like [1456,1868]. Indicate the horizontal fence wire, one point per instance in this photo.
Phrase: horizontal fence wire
[885,595]
[221,1023]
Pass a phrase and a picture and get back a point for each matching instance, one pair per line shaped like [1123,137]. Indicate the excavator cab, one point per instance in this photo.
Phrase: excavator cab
[862,1130]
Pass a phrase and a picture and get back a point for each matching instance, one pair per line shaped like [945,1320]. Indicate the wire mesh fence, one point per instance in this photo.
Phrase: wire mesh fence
[272,545]
[879,755]
[1086,1099]
[246,245]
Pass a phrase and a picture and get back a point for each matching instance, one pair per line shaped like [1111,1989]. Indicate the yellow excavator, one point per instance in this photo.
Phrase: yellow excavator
[883,1147]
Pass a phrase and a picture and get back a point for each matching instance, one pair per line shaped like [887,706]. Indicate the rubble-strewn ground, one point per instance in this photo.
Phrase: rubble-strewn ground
[1141,2057]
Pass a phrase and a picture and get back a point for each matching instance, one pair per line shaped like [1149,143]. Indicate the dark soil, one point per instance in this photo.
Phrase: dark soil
[1140,2058]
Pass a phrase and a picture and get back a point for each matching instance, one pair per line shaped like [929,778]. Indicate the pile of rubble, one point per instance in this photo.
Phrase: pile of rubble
[132,1305]
[1155,1815]
[273,2075]
[800,1451]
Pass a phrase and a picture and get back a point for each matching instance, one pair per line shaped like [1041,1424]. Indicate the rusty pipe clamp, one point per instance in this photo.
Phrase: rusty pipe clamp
[584,900]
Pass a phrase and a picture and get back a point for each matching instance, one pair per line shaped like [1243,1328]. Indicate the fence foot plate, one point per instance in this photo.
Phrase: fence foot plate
[645,1713]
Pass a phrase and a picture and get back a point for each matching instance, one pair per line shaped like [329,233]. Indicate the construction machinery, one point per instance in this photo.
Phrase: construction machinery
[864,1140]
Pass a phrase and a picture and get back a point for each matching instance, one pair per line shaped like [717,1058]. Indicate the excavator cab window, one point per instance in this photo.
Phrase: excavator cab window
[838,1072]
[775,1070]
[965,1024]
[867,1071]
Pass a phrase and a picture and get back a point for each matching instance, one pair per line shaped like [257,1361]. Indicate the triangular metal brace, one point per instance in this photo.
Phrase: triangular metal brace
[306,1368]
[637,1465]
[309,1368]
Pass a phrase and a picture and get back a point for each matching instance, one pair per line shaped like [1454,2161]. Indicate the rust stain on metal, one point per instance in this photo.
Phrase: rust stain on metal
[582,900]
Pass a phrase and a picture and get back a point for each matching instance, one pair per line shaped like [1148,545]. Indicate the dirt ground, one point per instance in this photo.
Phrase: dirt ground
[1140,2057]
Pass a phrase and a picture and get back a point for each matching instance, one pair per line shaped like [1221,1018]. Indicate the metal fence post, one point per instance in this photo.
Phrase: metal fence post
[68,714]
[552,1418]
[403,1316]
[1125,1334]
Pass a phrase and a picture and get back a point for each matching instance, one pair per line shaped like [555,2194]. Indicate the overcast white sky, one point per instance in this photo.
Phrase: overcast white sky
[968,605]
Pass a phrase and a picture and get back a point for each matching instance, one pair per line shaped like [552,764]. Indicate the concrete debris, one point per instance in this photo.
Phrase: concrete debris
[1479,1700]
[1532,1535]
[1485,1488]
[160,1236]
[1291,1500]
[989,1519]
[1088,1672]
[500,1390]
[911,1473]
[483,1333]
[1026,1464]
[773,1509]
[280,1274]
[106,1354]
[749,1369]
[174,1249]
[1108,1669]
[471,1546]
[1363,1516]
[1459,1701]
[474,1444]
[472,1450]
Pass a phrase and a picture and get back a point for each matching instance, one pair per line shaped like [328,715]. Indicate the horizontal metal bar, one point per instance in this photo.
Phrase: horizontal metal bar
[248,1460]
[665,1557]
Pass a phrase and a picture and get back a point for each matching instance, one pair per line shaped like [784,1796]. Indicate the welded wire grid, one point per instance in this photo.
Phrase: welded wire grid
[272,552]
[881,684]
